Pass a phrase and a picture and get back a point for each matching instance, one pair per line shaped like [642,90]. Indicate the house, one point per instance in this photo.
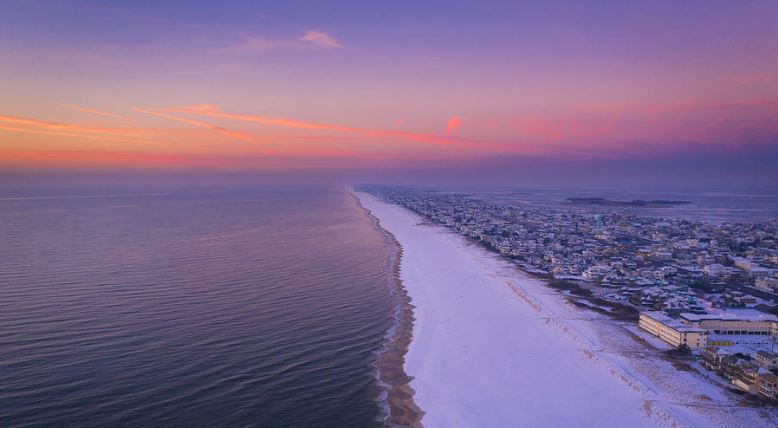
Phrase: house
[741,372]
[766,360]
[716,269]
[767,385]
[711,357]
[767,283]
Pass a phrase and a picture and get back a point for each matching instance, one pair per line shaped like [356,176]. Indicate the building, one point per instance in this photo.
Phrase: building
[767,283]
[767,385]
[750,267]
[734,322]
[596,272]
[711,357]
[672,331]
[741,373]
[766,360]
[716,269]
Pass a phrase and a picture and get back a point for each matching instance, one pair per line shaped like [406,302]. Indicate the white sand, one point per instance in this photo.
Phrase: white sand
[493,347]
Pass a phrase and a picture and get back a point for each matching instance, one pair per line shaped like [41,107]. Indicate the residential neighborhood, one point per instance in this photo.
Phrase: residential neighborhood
[705,287]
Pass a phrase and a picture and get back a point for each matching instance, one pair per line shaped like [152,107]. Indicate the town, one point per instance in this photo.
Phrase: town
[708,290]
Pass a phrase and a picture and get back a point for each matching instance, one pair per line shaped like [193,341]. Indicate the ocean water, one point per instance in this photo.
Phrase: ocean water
[231,307]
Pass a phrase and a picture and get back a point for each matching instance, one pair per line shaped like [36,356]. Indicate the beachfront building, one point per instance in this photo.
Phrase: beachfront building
[767,385]
[747,373]
[712,357]
[734,322]
[766,360]
[672,331]
[741,373]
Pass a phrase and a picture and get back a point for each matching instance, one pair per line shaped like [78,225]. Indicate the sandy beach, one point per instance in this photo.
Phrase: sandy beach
[494,347]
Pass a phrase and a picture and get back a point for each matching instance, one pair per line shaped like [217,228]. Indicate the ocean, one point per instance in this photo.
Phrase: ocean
[231,307]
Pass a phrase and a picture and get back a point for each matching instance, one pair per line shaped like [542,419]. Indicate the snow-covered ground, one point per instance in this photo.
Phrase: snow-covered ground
[493,347]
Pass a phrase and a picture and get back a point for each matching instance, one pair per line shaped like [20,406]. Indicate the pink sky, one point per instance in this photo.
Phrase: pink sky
[381,87]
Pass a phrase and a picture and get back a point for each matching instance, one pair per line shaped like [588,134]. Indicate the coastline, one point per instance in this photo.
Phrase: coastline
[609,360]
[390,364]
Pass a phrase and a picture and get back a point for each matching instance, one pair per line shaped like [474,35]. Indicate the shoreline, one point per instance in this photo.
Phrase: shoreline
[390,364]
[626,317]
[615,371]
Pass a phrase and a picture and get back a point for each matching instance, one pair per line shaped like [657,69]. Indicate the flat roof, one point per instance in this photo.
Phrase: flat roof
[672,322]
[751,315]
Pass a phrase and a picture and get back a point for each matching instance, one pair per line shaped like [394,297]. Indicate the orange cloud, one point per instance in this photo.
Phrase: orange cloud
[86,158]
[322,39]
[258,45]
[35,126]
[264,160]
[97,112]
[66,127]
[234,134]
[73,135]
[631,128]
[418,137]
[204,108]
[454,123]
[213,111]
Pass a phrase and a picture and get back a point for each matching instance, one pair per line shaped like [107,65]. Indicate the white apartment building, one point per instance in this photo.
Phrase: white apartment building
[734,322]
[672,331]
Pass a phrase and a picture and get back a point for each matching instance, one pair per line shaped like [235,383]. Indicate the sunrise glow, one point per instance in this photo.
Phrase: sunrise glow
[88,86]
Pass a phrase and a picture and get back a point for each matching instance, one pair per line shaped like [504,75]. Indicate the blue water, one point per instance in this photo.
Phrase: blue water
[231,307]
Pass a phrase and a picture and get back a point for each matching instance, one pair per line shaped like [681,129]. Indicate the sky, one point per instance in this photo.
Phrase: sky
[608,93]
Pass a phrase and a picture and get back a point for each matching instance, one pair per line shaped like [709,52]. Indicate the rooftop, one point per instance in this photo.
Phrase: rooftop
[751,315]
[672,322]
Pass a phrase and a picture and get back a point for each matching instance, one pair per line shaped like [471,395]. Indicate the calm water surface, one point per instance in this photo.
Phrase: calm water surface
[260,307]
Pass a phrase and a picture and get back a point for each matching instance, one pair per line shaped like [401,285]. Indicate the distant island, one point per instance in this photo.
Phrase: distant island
[633,203]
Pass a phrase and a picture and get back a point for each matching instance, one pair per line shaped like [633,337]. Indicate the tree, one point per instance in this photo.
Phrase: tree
[684,349]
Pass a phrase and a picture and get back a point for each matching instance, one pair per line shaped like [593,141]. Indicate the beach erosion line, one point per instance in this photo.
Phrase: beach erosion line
[398,406]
